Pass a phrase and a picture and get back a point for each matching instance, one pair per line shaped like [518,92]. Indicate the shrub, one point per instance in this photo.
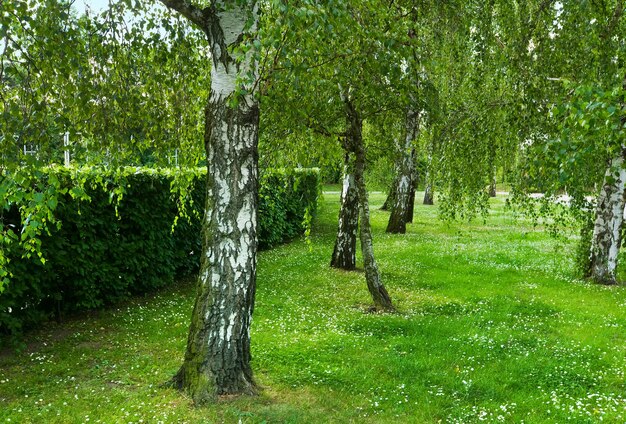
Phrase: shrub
[114,237]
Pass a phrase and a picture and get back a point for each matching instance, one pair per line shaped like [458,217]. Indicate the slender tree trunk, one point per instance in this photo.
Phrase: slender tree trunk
[391,196]
[428,191]
[492,186]
[400,211]
[354,143]
[344,253]
[217,358]
[606,239]
[414,180]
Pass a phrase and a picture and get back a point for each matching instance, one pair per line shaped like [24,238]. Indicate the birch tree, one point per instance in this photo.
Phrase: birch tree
[217,359]
[580,59]
[329,80]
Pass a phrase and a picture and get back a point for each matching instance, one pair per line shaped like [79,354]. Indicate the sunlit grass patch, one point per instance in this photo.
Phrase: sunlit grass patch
[491,326]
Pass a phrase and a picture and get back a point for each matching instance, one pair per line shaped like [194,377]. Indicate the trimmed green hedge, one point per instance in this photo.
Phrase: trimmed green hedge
[110,247]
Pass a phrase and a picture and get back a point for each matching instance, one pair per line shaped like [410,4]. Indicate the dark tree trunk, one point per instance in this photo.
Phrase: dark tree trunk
[354,143]
[217,358]
[492,186]
[404,180]
[390,197]
[428,192]
[492,189]
[414,180]
[344,253]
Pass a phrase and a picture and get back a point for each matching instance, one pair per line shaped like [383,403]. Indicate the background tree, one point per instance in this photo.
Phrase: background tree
[579,147]
[330,82]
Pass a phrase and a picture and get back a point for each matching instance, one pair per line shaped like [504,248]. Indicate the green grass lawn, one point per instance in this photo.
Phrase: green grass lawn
[491,327]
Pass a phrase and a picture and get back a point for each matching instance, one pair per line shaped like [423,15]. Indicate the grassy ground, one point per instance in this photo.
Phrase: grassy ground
[491,328]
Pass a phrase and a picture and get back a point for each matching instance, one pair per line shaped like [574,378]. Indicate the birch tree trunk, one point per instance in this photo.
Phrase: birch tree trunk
[428,185]
[606,239]
[344,253]
[493,185]
[354,143]
[400,210]
[414,180]
[217,358]
[428,192]
[607,230]
[389,201]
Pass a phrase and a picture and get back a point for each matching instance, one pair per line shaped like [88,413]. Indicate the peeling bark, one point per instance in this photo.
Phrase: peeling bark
[344,253]
[404,180]
[217,358]
[606,239]
[354,143]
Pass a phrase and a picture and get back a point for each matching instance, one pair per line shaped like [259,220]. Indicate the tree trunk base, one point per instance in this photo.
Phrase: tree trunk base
[199,386]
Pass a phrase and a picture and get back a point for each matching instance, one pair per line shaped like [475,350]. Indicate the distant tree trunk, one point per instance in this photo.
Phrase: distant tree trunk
[404,180]
[606,239]
[344,253]
[354,143]
[428,191]
[414,180]
[217,359]
[492,188]
[391,196]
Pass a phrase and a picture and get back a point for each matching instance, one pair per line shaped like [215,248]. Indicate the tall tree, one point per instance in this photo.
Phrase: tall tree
[344,252]
[332,82]
[577,62]
[217,359]
[402,212]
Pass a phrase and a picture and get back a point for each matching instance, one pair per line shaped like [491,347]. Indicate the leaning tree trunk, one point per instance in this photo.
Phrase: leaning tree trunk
[400,211]
[217,358]
[354,143]
[606,239]
[344,253]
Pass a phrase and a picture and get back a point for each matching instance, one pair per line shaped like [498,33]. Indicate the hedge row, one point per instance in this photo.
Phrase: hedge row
[107,248]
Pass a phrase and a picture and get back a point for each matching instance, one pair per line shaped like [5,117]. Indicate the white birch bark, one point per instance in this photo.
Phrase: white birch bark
[344,252]
[606,239]
[404,180]
[217,359]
